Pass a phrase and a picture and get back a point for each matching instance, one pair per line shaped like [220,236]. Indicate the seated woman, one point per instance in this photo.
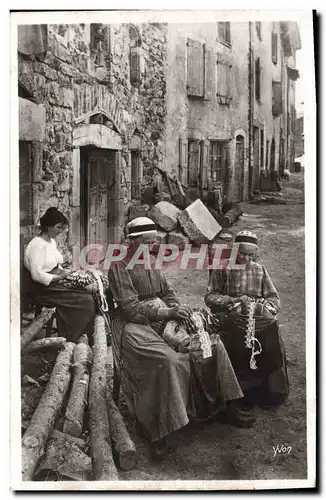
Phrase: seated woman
[247,303]
[163,388]
[75,309]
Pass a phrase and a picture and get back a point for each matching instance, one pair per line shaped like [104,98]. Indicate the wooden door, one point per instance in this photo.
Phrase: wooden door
[98,193]
[239,168]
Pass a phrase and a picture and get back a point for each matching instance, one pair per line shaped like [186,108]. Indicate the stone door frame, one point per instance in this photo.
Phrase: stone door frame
[92,135]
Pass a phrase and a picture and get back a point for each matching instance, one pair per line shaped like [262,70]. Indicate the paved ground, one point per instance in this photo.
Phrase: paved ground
[216,451]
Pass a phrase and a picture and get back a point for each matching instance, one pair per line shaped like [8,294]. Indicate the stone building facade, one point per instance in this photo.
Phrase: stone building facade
[230,98]
[92,102]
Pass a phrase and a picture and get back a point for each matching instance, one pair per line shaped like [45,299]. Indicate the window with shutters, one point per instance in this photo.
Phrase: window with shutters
[224,32]
[274,47]
[258,29]
[224,79]
[195,69]
[277,105]
[134,56]
[258,79]
[218,160]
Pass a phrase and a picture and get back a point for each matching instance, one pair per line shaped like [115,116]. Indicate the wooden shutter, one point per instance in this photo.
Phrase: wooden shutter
[224,32]
[183,161]
[274,47]
[277,99]
[204,170]
[195,68]
[224,68]
[210,70]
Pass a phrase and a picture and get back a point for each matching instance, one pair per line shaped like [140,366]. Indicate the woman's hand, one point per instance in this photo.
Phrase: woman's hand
[180,312]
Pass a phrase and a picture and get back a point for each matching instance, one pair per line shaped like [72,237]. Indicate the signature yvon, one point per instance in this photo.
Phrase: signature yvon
[282,449]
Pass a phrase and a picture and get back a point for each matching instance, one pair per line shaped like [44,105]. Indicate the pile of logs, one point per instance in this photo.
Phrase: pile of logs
[76,402]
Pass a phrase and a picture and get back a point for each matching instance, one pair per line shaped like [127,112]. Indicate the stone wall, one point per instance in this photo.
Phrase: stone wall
[70,62]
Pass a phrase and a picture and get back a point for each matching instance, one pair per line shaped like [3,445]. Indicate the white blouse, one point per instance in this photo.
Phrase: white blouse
[41,257]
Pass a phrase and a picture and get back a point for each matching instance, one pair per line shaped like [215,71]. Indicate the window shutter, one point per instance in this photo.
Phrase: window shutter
[183,161]
[195,68]
[204,164]
[257,78]
[134,65]
[277,99]
[274,47]
[210,86]
[224,68]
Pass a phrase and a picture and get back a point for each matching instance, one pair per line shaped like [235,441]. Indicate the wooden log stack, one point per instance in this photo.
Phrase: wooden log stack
[76,407]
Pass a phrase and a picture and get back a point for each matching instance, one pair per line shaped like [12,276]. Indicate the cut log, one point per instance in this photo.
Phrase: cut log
[37,433]
[81,443]
[231,216]
[56,343]
[82,359]
[124,450]
[31,331]
[101,452]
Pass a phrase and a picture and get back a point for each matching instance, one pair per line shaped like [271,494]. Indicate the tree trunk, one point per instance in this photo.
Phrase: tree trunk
[103,464]
[44,344]
[70,439]
[36,435]
[82,359]
[231,216]
[124,450]
[31,331]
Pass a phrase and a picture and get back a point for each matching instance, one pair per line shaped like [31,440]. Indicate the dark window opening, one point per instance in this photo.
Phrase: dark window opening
[258,79]
[274,47]
[224,32]
[134,56]
[135,175]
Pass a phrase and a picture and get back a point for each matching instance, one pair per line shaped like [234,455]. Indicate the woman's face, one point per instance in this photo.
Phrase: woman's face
[57,229]
[247,254]
[145,239]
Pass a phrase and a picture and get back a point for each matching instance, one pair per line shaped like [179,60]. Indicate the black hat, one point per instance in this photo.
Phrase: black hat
[52,217]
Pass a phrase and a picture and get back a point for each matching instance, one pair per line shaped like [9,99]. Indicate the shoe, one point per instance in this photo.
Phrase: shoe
[161,448]
[233,415]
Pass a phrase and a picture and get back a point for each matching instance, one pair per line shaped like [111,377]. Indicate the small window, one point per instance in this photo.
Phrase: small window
[195,68]
[224,32]
[258,79]
[277,103]
[274,47]
[224,79]
[134,56]
[258,29]
[218,157]
[99,44]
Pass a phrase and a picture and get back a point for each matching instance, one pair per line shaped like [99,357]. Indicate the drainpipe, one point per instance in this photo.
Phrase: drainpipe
[250,109]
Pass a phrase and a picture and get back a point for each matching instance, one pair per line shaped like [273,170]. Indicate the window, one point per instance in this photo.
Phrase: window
[262,163]
[258,29]
[258,79]
[224,79]
[267,153]
[195,68]
[277,105]
[274,47]
[134,56]
[217,160]
[135,175]
[224,32]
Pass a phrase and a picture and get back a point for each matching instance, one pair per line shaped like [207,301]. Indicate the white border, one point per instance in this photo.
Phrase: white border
[304,18]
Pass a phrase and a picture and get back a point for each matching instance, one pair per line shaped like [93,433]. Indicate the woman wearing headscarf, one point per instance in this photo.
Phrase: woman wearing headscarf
[43,272]
[163,388]
[247,302]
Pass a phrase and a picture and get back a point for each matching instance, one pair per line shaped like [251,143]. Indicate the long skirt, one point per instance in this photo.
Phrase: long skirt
[164,388]
[75,309]
[271,372]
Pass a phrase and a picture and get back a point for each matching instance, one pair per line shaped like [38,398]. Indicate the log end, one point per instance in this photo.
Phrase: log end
[125,460]
[73,428]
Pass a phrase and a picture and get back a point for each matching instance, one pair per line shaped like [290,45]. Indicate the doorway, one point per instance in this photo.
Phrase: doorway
[100,181]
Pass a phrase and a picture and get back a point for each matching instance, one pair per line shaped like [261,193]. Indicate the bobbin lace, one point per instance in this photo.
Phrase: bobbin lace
[250,340]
